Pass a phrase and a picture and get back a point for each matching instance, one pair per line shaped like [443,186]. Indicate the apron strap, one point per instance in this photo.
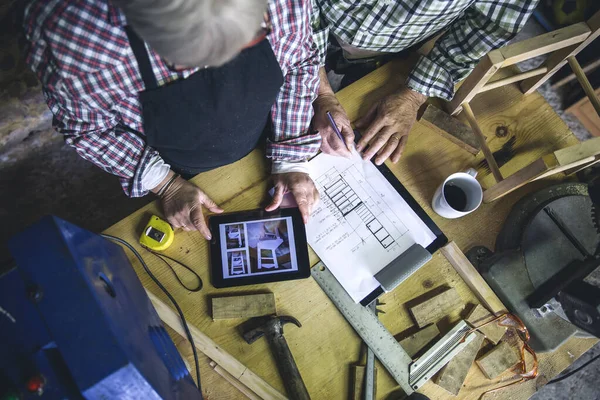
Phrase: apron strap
[143,59]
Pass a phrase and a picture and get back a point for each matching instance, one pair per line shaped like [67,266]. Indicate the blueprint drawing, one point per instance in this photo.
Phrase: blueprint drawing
[361,223]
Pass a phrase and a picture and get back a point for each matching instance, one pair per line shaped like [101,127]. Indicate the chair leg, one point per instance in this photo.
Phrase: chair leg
[484,147]
[585,83]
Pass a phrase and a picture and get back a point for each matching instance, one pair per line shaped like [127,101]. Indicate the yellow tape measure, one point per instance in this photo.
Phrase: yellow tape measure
[157,235]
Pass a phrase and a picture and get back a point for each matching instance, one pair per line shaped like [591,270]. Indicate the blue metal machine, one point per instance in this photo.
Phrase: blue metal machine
[75,322]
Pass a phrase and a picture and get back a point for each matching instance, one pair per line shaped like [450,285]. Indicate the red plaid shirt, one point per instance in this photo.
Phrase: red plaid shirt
[81,54]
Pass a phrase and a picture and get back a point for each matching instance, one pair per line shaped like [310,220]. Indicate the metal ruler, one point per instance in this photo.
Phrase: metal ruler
[370,366]
[369,328]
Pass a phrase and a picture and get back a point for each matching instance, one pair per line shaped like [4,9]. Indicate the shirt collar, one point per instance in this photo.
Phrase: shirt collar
[115,15]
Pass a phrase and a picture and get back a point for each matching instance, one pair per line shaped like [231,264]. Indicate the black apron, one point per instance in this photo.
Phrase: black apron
[214,117]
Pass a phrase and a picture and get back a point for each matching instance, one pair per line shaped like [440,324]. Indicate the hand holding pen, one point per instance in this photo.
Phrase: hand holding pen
[334,126]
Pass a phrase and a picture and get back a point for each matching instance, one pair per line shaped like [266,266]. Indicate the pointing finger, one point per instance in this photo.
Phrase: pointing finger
[197,219]
[211,205]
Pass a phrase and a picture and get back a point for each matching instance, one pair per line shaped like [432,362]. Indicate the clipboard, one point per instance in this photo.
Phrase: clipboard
[415,257]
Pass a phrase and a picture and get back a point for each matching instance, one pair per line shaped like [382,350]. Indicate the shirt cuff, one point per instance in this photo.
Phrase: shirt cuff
[155,172]
[430,78]
[284,167]
[295,149]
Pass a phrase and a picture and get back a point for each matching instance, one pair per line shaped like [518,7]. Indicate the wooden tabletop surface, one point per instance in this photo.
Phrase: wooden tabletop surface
[325,346]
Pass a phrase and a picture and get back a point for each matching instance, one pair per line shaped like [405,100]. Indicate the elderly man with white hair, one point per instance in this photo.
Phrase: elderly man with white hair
[149,90]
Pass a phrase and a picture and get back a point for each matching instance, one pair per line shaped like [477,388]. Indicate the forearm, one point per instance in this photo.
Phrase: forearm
[324,86]
[483,27]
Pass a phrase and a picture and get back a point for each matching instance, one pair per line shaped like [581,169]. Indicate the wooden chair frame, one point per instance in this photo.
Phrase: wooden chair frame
[562,45]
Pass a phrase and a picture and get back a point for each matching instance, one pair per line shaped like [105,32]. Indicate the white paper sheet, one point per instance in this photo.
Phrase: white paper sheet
[361,223]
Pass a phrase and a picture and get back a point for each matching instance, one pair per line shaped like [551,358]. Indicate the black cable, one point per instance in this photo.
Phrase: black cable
[166,292]
[576,370]
[162,257]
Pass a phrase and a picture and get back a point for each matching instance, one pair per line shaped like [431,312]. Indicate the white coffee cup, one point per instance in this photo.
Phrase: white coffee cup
[459,195]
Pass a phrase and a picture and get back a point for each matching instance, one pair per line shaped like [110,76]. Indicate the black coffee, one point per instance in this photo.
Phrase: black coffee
[455,197]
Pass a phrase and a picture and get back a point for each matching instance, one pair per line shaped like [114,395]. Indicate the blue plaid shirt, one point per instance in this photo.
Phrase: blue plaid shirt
[471,29]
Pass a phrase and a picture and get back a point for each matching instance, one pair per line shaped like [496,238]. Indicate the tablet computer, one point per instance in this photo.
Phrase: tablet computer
[252,247]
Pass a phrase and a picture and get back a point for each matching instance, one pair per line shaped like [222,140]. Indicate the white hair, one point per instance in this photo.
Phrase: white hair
[195,32]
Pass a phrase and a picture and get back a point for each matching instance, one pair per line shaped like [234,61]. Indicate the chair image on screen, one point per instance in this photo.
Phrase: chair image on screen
[235,233]
[237,264]
[266,251]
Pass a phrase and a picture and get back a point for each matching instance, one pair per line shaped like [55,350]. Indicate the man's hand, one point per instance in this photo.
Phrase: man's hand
[301,186]
[331,143]
[182,204]
[386,125]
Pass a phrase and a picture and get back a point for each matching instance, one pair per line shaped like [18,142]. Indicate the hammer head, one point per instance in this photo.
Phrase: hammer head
[272,325]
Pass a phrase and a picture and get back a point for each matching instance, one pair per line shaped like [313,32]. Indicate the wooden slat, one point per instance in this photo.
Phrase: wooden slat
[417,341]
[450,128]
[514,78]
[477,79]
[207,346]
[489,156]
[498,360]
[472,278]
[573,154]
[516,180]
[452,376]
[478,316]
[558,59]
[585,83]
[571,77]
[436,308]
[234,382]
[544,44]
[253,305]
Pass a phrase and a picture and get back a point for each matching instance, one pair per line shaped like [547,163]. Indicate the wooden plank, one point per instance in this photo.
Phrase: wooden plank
[483,72]
[489,156]
[585,83]
[452,376]
[558,59]
[207,346]
[417,341]
[469,274]
[252,305]
[478,316]
[436,308]
[515,181]
[573,154]
[498,360]
[513,78]
[544,44]
[358,382]
[234,382]
[450,128]
[562,160]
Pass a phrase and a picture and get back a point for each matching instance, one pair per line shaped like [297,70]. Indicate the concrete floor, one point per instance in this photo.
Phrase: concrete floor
[52,179]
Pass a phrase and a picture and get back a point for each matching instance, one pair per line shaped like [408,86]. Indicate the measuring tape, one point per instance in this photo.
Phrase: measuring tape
[157,235]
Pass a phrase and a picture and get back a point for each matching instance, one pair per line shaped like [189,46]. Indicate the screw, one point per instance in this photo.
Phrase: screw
[35,293]
[502,131]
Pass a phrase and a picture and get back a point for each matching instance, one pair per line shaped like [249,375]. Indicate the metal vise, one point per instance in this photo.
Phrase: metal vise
[75,323]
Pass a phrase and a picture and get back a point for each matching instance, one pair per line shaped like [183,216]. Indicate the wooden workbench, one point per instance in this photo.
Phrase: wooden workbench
[326,346]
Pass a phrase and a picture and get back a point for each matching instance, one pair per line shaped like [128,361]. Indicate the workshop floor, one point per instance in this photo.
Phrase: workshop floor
[43,176]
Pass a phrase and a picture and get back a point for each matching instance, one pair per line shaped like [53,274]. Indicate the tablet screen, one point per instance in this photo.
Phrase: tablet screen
[258,247]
